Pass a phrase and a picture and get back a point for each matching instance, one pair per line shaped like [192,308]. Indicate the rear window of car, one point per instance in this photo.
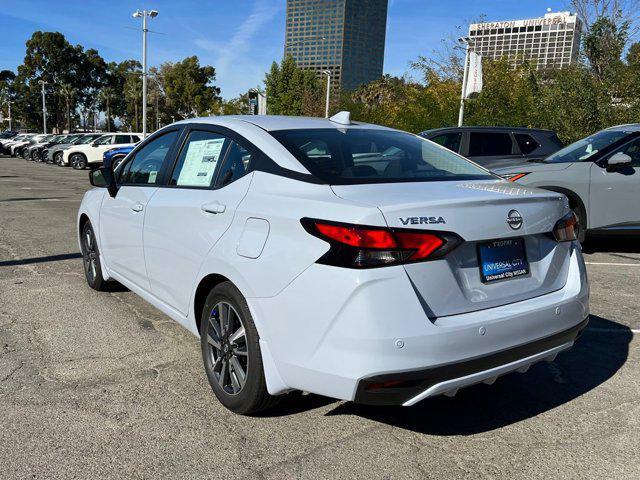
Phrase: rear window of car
[354,155]
[449,140]
[489,144]
[526,143]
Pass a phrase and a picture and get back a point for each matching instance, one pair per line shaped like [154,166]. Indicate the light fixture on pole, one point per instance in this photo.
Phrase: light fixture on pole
[326,108]
[44,108]
[144,14]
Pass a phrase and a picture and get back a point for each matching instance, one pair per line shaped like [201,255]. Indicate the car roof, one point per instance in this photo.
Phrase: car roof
[629,127]
[485,128]
[278,122]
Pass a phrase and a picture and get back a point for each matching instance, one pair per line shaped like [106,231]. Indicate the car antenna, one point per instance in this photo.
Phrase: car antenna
[343,118]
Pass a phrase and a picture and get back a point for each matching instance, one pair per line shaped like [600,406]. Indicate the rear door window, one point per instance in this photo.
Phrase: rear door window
[200,155]
[526,143]
[122,139]
[490,144]
[449,140]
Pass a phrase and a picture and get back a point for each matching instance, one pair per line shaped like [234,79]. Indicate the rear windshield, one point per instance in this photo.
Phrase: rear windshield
[351,156]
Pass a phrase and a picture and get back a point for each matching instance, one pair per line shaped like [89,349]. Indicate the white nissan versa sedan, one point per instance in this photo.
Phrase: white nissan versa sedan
[345,259]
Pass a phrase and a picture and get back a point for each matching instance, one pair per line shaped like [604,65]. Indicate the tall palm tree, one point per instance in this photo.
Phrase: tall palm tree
[69,93]
[107,97]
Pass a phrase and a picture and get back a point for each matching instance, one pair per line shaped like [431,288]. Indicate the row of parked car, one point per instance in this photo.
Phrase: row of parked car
[78,150]
[599,174]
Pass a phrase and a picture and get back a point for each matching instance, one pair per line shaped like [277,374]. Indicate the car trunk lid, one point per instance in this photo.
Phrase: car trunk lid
[481,213]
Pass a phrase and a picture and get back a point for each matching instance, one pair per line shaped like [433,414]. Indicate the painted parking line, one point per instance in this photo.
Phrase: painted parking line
[614,264]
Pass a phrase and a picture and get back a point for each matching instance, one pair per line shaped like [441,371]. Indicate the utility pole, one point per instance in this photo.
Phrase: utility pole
[326,108]
[44,108]
[144,14]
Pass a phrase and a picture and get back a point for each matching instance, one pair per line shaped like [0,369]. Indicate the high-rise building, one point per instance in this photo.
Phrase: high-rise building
[345,37]
[552,41]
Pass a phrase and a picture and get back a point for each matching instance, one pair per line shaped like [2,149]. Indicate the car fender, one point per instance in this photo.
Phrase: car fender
[90,208]
[67,153]
[217,265]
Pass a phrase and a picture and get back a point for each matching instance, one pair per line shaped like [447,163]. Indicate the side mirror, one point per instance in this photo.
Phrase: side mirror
[94,144]
[104,178]
[617,161]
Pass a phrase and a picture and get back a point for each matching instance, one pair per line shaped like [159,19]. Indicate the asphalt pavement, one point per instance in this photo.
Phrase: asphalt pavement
[102,385]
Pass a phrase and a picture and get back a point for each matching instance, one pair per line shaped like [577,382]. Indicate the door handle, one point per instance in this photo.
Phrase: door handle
[213,207]
[138,207]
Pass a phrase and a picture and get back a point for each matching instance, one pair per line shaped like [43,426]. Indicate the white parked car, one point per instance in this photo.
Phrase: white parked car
[7,143]
[349,260]
[18,143]
[79,156]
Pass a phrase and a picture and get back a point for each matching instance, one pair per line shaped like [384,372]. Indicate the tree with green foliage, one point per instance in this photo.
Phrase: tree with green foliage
[603,45]
[292,90]
[189,88]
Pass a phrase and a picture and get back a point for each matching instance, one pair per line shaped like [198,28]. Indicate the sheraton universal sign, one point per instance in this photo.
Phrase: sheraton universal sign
[531,22]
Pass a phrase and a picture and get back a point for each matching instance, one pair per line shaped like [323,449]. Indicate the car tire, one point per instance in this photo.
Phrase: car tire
[58,159]
[25,154]
[115,162]
[35,156]
[91,259]
[78,161]
[231,352]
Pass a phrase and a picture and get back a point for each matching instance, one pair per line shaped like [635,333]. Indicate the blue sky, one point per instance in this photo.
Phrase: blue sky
[240,38]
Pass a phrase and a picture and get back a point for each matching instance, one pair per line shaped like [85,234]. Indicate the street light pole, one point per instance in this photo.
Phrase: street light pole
[326,108]
[144,14]
[10,120]
[44,108]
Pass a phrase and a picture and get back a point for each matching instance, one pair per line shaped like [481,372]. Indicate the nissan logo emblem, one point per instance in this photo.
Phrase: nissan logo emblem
[514,219]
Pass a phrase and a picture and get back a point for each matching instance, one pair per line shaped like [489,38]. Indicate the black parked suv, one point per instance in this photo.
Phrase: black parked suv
[496,147]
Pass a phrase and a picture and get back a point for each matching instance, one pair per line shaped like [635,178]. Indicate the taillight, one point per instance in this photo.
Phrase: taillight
[566,228]
[357,246]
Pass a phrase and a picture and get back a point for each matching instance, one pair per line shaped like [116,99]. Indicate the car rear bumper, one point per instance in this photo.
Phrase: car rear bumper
[333,331]
[409,388]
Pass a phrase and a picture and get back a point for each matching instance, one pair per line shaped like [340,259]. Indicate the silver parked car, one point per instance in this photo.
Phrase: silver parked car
[600,175]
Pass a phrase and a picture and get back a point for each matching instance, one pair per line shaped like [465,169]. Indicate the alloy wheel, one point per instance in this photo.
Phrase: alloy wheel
[227,348]
[77,162]
[90,255]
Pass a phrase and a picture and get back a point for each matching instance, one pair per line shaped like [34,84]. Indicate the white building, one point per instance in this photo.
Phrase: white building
[552,41]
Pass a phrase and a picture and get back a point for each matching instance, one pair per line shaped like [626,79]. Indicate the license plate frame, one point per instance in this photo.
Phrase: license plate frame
[510,253]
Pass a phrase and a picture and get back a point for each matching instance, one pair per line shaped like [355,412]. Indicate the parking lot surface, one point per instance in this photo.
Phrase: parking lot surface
[102,385]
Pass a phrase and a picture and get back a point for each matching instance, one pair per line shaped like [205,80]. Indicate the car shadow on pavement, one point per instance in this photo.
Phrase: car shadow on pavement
[597,356]
[622,244]
[45,259]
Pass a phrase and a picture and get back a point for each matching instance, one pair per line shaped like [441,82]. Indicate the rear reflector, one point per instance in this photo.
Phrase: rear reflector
[357,246]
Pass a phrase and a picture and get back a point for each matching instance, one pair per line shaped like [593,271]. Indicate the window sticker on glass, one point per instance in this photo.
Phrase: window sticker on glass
[200,162]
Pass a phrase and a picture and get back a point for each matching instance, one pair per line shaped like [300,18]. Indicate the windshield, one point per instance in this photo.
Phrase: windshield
[587,147]
[71,139]
[86,139]
[106,140]
[351,156]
